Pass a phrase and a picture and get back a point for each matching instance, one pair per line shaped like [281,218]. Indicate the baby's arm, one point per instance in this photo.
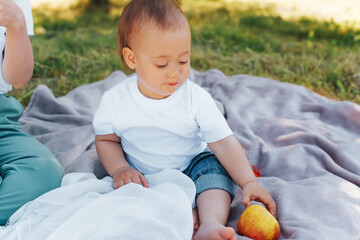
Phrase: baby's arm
[232,157]
[113,159]
[18,62]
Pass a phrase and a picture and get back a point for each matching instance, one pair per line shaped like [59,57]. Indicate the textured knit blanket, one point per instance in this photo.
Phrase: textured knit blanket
[306,146]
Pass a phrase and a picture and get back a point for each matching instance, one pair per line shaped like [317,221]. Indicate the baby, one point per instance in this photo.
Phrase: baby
[160,119]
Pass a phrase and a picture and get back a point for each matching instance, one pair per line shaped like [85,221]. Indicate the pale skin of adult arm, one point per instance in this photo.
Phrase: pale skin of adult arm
[232,157]
[18,62]
[113,159]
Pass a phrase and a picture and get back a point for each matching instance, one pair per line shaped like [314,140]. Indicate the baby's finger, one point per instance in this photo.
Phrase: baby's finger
[271,206]
[117,184]
[269,203]
[136,179]
[127,180]
[246,200]
[144,181]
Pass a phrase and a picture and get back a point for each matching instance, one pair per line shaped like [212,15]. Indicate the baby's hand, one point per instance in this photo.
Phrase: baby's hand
[252,191]
[127,175]
[11,14]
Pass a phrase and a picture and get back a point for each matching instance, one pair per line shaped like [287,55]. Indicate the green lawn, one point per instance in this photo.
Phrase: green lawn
[78,46]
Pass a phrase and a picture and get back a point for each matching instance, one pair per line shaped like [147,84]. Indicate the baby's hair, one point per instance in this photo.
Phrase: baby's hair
[164,14]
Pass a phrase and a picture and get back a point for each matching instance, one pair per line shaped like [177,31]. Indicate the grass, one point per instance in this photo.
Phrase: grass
[79,46]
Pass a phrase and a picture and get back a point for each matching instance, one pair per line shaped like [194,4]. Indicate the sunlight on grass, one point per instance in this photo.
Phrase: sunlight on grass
[339,11]
[54,4]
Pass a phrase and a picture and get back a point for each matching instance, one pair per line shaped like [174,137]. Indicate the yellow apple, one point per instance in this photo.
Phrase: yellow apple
[256,222]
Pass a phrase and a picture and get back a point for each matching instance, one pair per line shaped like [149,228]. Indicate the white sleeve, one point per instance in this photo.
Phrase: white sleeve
[25,6]
[213,125]
[103,120]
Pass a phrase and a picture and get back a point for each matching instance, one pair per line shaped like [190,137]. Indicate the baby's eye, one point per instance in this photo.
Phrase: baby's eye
[183,62]
[161,65]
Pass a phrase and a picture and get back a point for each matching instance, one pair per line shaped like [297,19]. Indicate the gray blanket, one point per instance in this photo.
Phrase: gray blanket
[307,147]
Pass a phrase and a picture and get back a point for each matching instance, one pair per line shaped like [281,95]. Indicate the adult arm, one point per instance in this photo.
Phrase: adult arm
[18,62]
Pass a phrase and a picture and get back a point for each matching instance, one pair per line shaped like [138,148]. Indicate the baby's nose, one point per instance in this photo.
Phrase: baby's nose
[174,73]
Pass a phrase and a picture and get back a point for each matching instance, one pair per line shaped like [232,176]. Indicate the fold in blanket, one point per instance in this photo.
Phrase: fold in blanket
[306,146]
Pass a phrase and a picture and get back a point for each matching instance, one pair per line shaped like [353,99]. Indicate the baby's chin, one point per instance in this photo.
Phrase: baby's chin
[168,93]
[165,95]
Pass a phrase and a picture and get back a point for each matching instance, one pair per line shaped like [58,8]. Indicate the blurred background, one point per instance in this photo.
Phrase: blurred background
[314,43]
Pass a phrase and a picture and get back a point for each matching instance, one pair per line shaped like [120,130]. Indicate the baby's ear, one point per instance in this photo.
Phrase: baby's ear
[129,57]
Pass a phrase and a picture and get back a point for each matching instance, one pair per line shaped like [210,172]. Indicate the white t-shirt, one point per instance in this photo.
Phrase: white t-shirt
[158,134]
[25,5]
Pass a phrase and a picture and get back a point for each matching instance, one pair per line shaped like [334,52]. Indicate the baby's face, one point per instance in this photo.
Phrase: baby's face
[162,60]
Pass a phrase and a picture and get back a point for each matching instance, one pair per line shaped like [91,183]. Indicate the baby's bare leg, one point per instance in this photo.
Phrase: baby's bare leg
[213,210]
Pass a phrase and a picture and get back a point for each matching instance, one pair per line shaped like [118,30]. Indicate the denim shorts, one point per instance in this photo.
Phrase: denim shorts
[207,173]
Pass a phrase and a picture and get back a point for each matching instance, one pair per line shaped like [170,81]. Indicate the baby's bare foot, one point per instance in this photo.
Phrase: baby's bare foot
[196,220]
[214,231]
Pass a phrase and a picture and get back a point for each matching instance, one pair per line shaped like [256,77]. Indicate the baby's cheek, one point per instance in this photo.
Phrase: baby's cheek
[186,73]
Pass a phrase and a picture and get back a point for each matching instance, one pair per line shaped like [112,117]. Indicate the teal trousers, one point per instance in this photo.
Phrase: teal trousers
[27,168]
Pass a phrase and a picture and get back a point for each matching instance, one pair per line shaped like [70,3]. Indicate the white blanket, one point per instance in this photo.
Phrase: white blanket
[88,208]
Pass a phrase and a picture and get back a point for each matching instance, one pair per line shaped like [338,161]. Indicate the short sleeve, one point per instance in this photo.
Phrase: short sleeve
[103,123]
[212,123]
[25,6]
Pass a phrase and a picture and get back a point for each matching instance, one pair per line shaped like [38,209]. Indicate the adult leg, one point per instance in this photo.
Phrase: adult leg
[27,168]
